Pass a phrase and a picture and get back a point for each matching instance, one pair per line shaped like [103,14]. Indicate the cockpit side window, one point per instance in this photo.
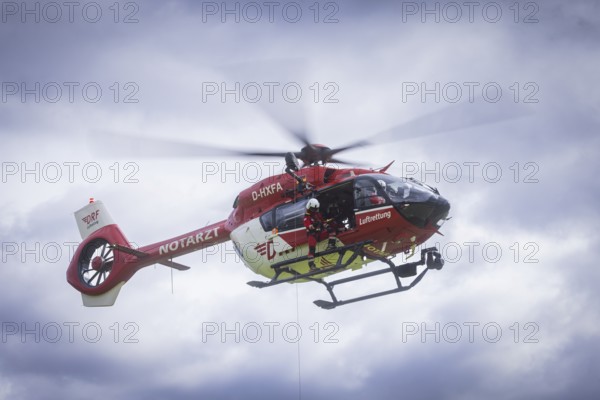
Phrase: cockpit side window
[368,193]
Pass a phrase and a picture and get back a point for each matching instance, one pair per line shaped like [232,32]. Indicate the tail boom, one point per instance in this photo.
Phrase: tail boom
[105,259]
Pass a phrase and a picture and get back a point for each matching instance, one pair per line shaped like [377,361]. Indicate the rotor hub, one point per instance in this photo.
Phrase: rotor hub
[314,153]
[97,263]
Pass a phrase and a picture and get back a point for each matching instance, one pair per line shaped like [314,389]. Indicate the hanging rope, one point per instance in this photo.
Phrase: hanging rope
[298,345]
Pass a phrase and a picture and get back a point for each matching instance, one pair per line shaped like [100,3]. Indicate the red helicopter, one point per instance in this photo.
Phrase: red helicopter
[376,216]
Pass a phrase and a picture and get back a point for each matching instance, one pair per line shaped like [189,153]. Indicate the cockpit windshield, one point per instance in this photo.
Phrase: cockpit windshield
[404,190]
[419,203]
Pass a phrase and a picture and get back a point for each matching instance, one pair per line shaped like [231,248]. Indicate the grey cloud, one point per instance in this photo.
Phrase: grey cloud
[369,54]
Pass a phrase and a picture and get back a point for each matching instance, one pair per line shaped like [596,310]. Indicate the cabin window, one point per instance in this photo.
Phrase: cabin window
[290,216]
[266,220]
[285,217]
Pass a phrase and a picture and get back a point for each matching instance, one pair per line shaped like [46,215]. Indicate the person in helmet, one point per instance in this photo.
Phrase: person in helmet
[373,197]
[367,195]
[334,217]
[389,189]
[317,229]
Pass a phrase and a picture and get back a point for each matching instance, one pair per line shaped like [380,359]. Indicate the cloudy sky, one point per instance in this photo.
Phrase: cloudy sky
[499,102]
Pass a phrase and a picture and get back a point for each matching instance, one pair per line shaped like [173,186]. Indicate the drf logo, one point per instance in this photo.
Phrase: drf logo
[91,218]
[266,249]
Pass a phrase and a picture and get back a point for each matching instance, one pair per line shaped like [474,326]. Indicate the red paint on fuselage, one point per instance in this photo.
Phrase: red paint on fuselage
[396,231]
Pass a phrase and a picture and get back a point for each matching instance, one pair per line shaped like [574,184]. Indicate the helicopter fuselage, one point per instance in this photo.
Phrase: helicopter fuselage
[392,214]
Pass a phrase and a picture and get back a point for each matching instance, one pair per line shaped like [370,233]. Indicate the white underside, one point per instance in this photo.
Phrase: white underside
[104,300]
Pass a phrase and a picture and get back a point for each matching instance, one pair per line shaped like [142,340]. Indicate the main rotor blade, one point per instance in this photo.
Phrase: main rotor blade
[361,143]
[451,118]
[301,136]
[122,145]
[283,86]
[454,117]
[343,162]
[290,117]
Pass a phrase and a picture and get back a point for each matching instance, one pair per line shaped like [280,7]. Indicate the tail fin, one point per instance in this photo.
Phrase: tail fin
[97,270]
[91,218]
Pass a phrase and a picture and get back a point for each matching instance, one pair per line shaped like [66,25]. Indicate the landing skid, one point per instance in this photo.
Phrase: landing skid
[429,257]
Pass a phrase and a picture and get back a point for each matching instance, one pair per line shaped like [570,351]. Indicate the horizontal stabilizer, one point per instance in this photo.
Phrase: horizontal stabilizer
[129,250]
[174,265]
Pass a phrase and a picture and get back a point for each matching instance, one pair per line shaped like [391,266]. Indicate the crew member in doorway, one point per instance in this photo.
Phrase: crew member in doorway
[317,229]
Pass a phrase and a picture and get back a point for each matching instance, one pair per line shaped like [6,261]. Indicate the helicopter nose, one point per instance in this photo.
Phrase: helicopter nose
[440,209]
[425,213]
